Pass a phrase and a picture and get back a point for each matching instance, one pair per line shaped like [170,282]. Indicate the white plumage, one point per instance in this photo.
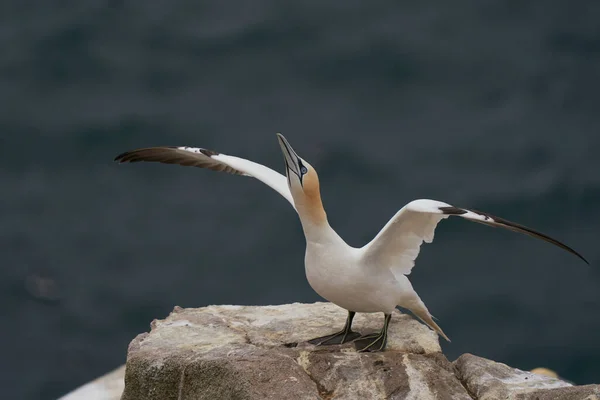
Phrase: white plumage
[368,279]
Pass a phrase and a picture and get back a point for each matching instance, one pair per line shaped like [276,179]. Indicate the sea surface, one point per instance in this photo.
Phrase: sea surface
[487,104]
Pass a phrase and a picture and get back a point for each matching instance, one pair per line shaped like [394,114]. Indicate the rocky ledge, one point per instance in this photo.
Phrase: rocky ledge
[243,353]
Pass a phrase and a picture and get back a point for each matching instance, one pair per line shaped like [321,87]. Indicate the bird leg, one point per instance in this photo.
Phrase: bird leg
[374,341]
[341,337]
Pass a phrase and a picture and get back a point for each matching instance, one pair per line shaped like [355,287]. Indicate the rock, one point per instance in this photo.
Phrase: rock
[247,353]
[106,387]
[488,380]
[234,352]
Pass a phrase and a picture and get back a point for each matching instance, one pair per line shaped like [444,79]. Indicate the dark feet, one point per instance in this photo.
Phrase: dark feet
[340,337]
[371,343]
[374,341]
[344,336]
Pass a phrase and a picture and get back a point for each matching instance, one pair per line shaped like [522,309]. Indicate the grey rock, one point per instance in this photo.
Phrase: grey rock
[487,380]
[235,352]
[586,392]
[248,353]
[389,375]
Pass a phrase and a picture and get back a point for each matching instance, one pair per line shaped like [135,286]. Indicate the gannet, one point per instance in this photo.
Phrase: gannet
[373,278]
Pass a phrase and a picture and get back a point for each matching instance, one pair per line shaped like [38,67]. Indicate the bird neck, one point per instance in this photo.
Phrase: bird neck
[311,212]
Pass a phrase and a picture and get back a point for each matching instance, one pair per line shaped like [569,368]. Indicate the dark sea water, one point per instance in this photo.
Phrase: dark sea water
[485,104]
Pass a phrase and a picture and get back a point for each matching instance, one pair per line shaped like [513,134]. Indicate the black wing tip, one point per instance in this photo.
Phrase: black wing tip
[575,253]
[126,156]
[209,153]
[120,157]
[582,257]
[451,210]
[541,235]
[531,231]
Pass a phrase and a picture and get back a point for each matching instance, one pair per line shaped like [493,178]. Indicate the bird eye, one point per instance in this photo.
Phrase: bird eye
[303,170]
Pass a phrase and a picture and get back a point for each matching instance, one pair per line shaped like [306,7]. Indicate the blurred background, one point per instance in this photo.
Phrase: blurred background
[486,104]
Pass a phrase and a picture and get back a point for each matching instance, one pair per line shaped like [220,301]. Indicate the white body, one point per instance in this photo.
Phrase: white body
[368,279]
[372,278]
[339,273]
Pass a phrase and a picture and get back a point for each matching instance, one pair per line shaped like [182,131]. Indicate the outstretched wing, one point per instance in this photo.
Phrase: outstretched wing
[203,158]
[398,244]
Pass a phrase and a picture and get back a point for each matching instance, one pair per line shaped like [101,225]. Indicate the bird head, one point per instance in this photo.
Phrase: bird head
[302,179]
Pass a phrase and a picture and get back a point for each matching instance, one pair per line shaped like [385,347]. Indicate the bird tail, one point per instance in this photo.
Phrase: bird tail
[423,313]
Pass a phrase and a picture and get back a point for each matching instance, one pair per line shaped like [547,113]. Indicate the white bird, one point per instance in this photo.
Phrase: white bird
[369,279]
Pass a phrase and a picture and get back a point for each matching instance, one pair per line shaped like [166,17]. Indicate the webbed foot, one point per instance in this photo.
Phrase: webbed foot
[371,343]
[375,341]
[340,337]
[344,336]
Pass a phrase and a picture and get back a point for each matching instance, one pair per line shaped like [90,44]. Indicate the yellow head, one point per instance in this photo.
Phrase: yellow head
[304,184]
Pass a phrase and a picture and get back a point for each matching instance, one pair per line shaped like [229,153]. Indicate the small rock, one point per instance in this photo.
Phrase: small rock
[490,380]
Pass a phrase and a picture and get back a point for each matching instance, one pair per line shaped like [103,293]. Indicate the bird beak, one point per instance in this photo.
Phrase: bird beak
[289,155]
